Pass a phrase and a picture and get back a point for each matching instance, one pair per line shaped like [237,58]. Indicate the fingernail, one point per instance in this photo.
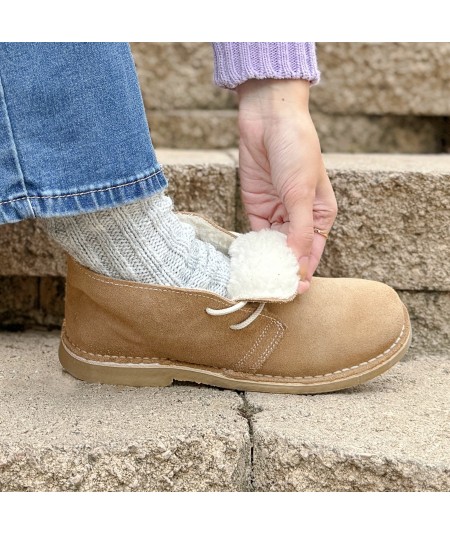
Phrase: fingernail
[303,264]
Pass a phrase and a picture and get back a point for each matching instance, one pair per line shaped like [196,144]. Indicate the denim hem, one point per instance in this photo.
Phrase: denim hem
[69,204]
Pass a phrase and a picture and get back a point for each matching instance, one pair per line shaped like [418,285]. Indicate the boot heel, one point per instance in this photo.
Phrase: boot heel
[107,373]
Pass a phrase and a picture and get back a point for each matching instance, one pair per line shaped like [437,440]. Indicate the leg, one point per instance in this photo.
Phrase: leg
[78,153]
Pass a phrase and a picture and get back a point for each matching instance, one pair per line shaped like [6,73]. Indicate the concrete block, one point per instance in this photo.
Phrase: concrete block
[179,76]
[380,134]
[217,129]
[357,78]
[383,78]
[392,214]
[194,129]
[202,181]
[430,319]
[391,434]
[25,249]
[60,434]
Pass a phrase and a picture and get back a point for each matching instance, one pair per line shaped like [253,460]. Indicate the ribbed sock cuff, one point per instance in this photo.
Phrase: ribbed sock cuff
[143,242]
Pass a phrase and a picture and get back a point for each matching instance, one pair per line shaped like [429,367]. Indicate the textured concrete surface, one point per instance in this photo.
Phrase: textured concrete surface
[393,212]
[198,181]
[179,76]
[391,434]
[202,181]
[357,78]
[194,129]
[382,78]
[217,129]
[25,249]
[430,319]
[380,134]
[60,434]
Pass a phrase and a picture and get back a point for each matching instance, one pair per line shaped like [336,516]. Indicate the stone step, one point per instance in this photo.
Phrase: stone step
[409,79]
[373,97]
[391,434]
[383,78]
[217,129]
[393,212]
[60,434]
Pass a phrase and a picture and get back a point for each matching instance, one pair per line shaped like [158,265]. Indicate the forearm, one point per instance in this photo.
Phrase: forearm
[235,63]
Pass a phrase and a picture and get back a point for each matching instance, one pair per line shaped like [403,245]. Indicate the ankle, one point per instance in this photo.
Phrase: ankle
[144,242]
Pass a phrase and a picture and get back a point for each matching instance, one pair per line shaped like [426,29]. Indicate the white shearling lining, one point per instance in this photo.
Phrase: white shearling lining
[208,231]
[262,268]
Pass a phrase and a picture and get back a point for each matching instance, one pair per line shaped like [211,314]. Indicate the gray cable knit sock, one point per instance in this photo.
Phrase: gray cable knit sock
[145,242]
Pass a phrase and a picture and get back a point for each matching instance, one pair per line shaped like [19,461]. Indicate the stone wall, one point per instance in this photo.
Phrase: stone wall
[390,208]
[373,97]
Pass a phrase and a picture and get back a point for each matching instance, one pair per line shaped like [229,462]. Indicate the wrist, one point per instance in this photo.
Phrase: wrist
[271,96]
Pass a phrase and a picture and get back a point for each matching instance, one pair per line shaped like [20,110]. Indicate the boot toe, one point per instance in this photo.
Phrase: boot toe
[341,326]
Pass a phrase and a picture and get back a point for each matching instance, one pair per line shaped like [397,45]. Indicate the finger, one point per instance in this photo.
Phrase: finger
[317,249]
[324,215]
[299,205]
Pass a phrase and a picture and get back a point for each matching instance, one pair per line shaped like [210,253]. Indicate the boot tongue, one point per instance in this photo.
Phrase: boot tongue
[262,268]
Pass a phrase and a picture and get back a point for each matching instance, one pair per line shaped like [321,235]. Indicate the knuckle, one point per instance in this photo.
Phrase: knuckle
[298,192]
[334,210]
[330,211]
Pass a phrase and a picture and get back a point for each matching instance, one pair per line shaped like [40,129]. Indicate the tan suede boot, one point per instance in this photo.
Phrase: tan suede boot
[265,338]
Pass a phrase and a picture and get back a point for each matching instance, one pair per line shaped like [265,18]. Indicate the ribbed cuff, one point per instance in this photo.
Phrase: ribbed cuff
[235,63]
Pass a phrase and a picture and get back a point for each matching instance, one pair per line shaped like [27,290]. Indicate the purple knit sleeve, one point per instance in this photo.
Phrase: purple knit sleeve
[235,63]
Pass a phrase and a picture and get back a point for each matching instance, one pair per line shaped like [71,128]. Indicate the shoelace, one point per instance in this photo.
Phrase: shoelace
[234,308]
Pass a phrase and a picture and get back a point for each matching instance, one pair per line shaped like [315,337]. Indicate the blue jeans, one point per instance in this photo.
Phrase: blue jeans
[73,132]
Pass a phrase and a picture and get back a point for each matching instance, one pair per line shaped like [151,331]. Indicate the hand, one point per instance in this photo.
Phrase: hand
[284,185]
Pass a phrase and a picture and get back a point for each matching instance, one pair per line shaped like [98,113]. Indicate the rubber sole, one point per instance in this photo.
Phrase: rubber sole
[161,375]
